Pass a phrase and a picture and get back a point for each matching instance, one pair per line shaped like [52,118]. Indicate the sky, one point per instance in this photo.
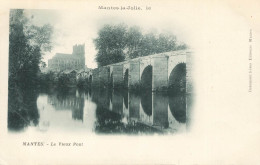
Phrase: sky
[81,27]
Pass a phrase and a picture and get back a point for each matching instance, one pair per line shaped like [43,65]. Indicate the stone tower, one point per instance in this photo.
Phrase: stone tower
[79,51]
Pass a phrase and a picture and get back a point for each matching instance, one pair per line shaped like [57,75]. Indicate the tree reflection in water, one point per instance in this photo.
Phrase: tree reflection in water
[22,109]
[115,111]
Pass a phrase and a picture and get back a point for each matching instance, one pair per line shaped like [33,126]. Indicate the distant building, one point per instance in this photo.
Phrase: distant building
[74,61]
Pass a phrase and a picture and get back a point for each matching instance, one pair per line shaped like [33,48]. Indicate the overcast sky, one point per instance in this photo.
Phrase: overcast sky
[78,27]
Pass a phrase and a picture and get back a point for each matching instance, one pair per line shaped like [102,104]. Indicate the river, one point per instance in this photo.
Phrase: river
[107,112]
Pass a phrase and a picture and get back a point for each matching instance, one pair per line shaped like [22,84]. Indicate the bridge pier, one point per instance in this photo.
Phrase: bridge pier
[104,76]
[95,77]
[160,73]
[134,74]
[118,76]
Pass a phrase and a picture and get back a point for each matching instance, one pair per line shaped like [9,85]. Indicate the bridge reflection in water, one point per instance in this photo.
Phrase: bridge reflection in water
[117,111]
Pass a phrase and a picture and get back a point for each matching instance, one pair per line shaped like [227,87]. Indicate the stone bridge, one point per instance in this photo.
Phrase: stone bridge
[158,71]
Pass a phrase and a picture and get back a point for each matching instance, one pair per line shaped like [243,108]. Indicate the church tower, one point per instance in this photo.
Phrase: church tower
[79,52]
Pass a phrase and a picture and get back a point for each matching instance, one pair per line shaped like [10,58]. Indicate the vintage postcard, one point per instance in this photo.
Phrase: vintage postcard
[130,82]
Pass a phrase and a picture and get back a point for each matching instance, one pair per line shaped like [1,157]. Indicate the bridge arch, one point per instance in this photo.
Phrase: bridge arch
[177,106]
[147,78]
[111,80]
[146,87]
[126,78]
[146,102]
[177,79]
[175,60]
[143,64]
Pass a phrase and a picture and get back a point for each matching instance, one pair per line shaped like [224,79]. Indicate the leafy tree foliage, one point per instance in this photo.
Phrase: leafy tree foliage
[25,54]
[27,43]
[40,36]
[116,43]
[110,44]
[133,40]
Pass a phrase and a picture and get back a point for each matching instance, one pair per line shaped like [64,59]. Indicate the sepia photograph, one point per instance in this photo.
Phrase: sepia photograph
[129,82]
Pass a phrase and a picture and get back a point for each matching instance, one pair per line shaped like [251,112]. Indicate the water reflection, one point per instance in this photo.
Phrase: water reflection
[160,111]
[68,100]
[177,106]
[22,109]
[107,111]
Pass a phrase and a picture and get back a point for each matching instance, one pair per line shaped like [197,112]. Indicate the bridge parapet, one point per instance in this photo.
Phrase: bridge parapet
[166,54]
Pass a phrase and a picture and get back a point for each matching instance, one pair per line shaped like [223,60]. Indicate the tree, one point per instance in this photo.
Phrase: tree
[110,44]
[43,64]
[133,40]
[40,36]
[166,42]
[116,43]
[27,44]
[25,53]
[148,44]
